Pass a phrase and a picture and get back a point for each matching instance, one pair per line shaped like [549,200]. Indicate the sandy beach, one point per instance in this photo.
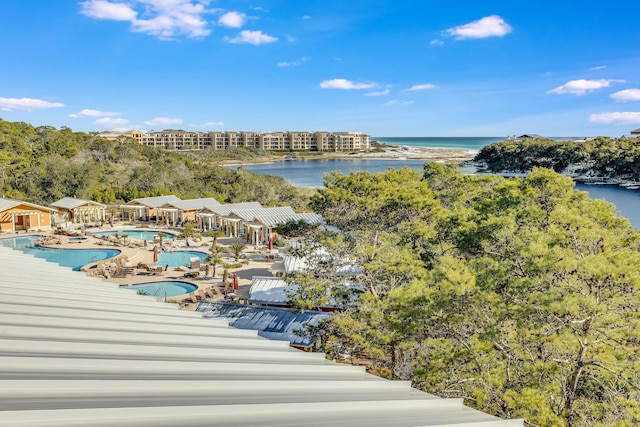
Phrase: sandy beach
[385,152]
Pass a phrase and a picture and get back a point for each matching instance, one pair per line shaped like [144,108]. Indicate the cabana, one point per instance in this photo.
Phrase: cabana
[184,210]
[80,211]
[143,209]
[248,226]
[16,215]
[210,216]
[266,220]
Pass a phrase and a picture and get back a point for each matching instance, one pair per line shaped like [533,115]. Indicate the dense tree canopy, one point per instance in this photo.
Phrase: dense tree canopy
[519,295]
[43,164]
[602,156]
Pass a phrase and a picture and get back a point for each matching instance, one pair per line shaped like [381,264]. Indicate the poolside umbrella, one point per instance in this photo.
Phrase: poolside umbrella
[270,244]
[155,254]
[261,237]
[236,283]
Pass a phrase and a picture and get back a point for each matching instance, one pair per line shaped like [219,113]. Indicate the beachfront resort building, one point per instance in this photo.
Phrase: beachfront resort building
[16,215]
[79,211]
[276,141]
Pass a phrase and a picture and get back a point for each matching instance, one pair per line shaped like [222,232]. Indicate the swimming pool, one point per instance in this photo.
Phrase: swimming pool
[74,258]
[162,289]
[138,234]
[180,258]
[76,239]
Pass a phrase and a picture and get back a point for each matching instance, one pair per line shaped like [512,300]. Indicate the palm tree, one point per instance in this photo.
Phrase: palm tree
[215,234]
[237,249]
[214,259]
[216,249]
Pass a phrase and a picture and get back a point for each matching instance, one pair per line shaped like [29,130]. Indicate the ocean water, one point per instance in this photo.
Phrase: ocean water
[468,143]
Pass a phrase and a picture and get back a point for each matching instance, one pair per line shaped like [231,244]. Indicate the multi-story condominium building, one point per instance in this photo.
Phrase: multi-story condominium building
[289,141]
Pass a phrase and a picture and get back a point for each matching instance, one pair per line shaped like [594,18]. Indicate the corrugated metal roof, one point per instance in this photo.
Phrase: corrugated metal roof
[72,202]
[270,322]
[293,264]
[273,291]
[77,351]
[250,214]
[268,290]
[225,209]
[6,204]
[193,204]
[154,202]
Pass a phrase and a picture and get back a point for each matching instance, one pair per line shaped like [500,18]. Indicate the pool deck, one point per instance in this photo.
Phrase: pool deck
[134,254]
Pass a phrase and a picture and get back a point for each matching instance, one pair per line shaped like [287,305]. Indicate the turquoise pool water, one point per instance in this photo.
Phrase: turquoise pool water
[74,258]
[138,234]
[162,289]
[179,258]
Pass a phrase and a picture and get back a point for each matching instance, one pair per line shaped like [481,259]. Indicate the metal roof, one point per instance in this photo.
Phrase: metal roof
[250,214]
[273,291]
[225,209]
[193,204]
[271,322]
[72,202]
[294,264]
[268,290]
[6,204]
[77,351]
[154,202]
[275,218]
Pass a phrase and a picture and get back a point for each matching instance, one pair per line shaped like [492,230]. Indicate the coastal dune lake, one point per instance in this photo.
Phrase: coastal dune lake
[309,173]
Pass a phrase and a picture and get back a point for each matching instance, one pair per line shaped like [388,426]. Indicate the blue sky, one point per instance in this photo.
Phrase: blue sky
[382,67]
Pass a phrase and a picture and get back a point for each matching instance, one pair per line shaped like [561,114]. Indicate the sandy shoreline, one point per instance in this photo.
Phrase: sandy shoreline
[455,155]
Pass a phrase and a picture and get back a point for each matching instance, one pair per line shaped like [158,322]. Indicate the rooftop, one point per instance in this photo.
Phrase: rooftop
[79,351]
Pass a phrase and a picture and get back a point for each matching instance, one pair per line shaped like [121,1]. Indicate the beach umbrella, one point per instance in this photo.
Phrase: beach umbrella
[155,254]
[270,244]
[236,282]
[261,237]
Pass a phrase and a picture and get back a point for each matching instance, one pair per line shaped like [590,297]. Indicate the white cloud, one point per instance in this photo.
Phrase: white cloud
[109,121]
[93,113]
[26,104]
[163,121]
[164,19]
[232,19]
[306,17]
[207,125]
[124,128]
[252,37]
[599,67]
[345,84]
[582,86]
[436,42]
[489,26]
[619,118]
[425,86]
[627,95]
[293,63]
[102,9]
[379,93]
[396,102]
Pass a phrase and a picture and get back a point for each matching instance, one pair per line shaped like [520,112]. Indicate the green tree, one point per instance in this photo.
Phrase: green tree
[236,249]
[519,295]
